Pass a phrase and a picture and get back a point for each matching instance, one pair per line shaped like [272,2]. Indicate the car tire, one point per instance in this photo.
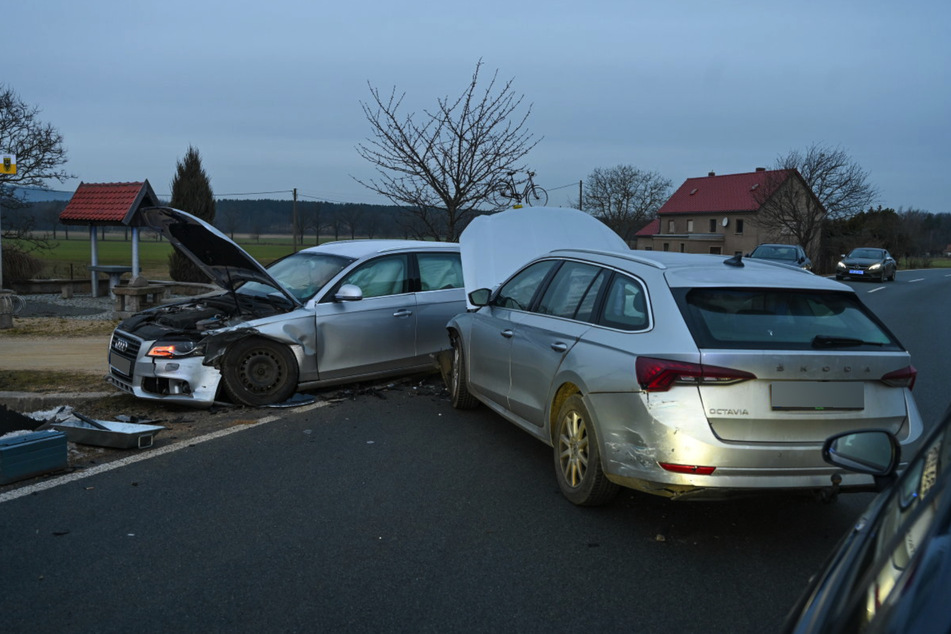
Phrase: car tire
[892,277]
[578,457]
[459,394]
[256,372]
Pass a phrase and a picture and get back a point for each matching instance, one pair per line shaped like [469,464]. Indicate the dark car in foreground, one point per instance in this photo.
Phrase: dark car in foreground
[867,263]
[676,374]
[892,570]
[335,313]
[791,254]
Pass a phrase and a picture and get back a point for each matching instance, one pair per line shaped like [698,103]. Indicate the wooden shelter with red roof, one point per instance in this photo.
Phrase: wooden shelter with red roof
[108,204]
[717,214]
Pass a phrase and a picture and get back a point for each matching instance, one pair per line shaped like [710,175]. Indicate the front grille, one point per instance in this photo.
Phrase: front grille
[123,351]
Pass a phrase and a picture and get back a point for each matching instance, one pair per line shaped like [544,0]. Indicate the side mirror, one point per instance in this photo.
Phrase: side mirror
[348,293]
[874,452]
[480,297]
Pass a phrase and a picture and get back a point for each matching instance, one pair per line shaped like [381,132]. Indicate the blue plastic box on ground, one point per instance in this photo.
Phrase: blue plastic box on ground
[32,454]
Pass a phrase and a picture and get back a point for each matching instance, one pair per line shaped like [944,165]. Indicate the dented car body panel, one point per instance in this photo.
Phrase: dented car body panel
[340,312]
[694,375]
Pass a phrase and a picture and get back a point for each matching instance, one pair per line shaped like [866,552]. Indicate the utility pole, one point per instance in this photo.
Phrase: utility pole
[580,199]
[294,239]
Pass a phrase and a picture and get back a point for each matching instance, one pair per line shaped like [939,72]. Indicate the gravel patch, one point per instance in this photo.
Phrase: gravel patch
[76,307]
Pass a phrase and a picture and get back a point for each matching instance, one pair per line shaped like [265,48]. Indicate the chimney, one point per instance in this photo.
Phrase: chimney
[760,169]
[711,174]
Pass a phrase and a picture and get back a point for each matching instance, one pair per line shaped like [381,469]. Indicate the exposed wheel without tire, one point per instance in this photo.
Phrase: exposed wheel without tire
[578,457]
[458,379]
[259,372]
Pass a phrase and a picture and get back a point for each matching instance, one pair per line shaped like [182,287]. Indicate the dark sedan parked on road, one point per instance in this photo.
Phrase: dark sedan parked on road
[892,571]
[791,254]
[867,263]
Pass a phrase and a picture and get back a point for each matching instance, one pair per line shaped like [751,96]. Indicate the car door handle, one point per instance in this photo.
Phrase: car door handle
[559,346]
[507,334]
[403,313]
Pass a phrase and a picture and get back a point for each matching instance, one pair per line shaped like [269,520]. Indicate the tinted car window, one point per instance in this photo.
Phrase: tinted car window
[589,301]
[439,270]
[382,276]
[790,319]
[625,306]
[518,292]
[567,289]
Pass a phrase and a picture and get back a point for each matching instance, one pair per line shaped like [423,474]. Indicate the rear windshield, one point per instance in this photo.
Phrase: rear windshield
[781,319]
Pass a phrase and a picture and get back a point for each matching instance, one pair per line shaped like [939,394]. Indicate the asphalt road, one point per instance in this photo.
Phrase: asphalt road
[401,514]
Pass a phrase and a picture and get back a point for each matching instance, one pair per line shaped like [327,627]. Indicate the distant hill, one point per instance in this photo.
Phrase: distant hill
[38,194]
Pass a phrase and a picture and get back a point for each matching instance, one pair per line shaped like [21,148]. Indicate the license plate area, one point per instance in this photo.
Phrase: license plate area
[121,364]
[855,271]
[817,395]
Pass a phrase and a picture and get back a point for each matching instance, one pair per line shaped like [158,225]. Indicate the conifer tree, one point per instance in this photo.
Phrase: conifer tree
[191,192]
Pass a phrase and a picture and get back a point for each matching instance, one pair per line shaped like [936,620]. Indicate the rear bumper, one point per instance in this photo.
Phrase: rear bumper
[636,433]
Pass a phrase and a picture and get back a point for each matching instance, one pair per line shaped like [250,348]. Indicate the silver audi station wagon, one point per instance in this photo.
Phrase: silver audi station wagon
[336,313]
[675,374]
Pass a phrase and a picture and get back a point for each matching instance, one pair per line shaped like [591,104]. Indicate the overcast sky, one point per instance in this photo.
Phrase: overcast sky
[270,92]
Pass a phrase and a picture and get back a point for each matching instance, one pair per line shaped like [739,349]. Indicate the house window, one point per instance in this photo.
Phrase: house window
[670,226]
[690,226]
[681,247]
[715,250]
[666,246]
[739,226]
[713,225]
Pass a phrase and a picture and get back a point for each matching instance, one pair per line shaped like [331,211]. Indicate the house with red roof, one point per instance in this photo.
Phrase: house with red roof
[717,214]
[104,205]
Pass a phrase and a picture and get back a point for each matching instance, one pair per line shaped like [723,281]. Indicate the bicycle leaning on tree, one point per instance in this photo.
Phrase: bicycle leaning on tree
[508,190]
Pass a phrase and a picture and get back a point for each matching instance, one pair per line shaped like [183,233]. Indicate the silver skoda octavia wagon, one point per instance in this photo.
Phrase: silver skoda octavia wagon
[680,375]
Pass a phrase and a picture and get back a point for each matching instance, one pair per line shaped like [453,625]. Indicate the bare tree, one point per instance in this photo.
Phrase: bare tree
[39,152]
[624,197]
[442,164]
[836,187]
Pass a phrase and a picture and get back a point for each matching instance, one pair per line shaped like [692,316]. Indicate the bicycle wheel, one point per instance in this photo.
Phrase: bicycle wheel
[537,197]
[500,195]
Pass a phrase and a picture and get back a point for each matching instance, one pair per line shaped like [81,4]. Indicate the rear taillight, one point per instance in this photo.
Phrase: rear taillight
[689,469]
[901,378]
[658,375]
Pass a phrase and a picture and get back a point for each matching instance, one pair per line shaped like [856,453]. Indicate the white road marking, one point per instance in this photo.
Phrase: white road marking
[875,290]
[152,453]
[920,279]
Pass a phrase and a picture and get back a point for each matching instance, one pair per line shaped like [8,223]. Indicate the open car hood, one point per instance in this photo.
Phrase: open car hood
[212,251]
[493,247]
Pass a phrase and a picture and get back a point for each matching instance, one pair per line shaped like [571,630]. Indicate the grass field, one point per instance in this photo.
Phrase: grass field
[70,257]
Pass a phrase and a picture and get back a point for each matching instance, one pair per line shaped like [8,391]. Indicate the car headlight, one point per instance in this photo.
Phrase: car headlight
[841,265]
[875,266]
[173,349]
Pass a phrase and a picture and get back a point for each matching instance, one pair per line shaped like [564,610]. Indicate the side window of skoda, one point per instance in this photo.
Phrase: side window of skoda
[625,306]
[382,276]
[519,291]
[570,286]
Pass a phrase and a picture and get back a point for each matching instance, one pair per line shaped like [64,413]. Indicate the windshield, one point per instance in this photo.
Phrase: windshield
[301,274]
[872,254]
[780,252]
[745,318]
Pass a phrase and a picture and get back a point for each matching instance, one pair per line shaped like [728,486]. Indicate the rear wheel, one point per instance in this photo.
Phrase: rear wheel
[458,379]
[259,372]
[578,457]
[537,197]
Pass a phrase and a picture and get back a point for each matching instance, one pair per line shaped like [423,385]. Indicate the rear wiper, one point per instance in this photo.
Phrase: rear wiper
[827,341]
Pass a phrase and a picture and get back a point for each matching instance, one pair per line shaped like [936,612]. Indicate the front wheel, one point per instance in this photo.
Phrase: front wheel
[259,372]
[578,457]
[458,379]
[537,197]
